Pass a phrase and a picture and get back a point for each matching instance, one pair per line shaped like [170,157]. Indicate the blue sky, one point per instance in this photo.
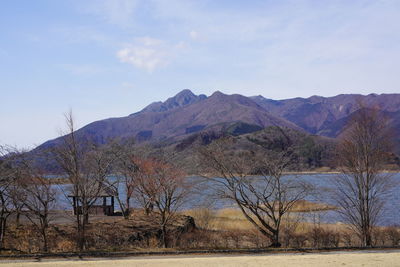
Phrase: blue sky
[110,58]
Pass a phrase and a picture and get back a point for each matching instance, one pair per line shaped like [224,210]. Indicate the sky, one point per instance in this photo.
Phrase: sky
[111,58]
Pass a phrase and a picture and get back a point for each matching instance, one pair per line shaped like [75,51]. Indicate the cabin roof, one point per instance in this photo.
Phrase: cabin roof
[105,191]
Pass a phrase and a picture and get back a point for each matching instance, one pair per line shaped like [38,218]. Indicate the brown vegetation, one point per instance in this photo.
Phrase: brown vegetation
[269,208]
[231,229]
[265,199]
[109,234]
[86,167]
[361,188]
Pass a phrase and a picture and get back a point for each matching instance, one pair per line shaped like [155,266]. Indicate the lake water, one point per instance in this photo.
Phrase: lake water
[323,184]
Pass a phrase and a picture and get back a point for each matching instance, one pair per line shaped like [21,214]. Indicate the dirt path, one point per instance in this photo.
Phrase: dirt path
[371,258]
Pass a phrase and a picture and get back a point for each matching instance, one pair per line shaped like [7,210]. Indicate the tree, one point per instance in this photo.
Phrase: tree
[40,199]
[30,190]
[12,196]
[126,170]
[311,153]
[164,187]
[7,178]
[87,166]
[362,186]
[263,199]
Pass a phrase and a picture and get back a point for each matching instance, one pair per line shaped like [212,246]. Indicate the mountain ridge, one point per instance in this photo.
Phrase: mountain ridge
[316,113]
[187,113]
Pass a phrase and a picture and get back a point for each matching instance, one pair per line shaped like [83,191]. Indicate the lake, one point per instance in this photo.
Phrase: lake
[323,184]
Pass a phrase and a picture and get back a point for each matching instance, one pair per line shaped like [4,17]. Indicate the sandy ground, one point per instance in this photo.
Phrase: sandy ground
[372,258]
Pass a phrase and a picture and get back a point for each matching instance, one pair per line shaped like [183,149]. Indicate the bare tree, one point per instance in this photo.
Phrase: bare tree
[87,167]
[163,186]
[126,171]
[7,179]
[40,200]
[30,190]
[263,199]
[362,187]
[12,196]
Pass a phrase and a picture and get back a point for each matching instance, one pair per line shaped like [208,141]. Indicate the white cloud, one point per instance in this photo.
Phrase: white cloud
[322,45]
[147,58]
[148,53]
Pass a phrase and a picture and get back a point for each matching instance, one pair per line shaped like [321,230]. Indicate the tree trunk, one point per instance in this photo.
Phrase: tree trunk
[82,239]
[128,207]
[3,224]
[86,218]
[367,239]
[164,236]
[126,214]
[17,218]
[45,245]
[275,240]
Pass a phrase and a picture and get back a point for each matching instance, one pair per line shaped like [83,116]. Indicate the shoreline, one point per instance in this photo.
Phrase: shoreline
[63,180]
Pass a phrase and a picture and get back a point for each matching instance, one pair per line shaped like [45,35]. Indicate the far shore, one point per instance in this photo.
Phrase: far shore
[64,180]
[310,172]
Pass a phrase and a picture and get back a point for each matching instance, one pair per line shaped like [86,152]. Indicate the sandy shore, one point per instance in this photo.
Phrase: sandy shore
[372,258]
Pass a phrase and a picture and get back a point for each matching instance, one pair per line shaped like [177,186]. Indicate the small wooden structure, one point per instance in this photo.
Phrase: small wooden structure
[106,208]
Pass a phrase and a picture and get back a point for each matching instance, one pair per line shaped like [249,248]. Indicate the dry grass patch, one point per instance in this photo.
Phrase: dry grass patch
[307,206]
[233,219]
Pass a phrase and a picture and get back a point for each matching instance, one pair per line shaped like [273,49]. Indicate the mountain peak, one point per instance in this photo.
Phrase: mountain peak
[181,99]
[187,113]
[185,93]
[258,97]
[218,94]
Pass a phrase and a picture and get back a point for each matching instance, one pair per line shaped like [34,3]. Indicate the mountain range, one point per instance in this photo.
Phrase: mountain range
[186,113]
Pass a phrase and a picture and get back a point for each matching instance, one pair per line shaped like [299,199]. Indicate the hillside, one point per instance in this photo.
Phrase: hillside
[310,151]
[180,116]
[187,118]
[327,115]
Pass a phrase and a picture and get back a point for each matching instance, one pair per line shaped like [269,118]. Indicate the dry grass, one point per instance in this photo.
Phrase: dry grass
[106,234]
[233,227]
[307,206]
[233,219]
[220,229]
[223,219]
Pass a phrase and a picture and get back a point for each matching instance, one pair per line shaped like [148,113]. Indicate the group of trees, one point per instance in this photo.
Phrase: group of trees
[252,178]
[153,182]
[360,189]
[24,189]
[150,182]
